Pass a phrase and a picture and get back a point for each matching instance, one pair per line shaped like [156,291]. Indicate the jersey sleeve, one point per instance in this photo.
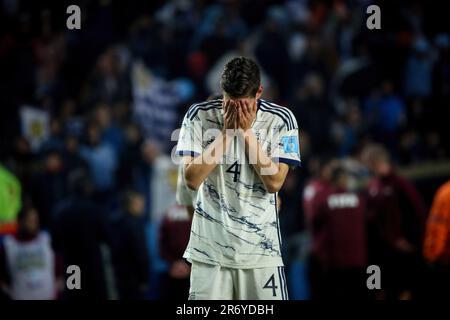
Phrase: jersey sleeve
[287,145]
[190,141]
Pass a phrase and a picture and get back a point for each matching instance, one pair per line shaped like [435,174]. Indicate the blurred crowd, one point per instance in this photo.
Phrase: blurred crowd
[97,190]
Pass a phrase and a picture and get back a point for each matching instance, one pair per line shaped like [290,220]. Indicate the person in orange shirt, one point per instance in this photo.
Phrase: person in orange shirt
[436,249]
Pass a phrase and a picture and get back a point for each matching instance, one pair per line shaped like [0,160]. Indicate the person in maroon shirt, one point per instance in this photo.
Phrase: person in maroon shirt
[396,220]
[319,183]
[174,238]
[337,225]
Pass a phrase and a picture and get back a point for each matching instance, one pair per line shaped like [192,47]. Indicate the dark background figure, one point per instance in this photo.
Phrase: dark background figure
[130,255]
[312,106]
[50,186]
[136,166]
[80,227]
[174,237]
[396,220]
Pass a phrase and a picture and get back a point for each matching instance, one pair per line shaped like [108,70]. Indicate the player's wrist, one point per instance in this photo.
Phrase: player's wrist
[228,132]
[245,133]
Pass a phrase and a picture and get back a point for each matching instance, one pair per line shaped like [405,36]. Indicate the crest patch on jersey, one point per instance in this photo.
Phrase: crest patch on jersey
[290,144]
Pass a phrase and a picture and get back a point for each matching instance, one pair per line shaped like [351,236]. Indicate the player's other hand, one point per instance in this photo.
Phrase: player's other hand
[229,115]
[246,113]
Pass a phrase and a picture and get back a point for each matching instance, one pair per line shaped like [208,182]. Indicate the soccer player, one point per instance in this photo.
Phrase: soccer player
[237,152]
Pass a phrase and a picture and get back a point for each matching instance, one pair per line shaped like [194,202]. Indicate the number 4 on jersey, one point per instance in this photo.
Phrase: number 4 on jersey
[235,169]
[270,284]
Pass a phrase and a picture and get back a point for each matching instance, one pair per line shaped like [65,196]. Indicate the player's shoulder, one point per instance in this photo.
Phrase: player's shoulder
[201,108]
[283,114]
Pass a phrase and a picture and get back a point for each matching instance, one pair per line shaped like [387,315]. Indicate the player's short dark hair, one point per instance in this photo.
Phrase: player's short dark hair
[241,78]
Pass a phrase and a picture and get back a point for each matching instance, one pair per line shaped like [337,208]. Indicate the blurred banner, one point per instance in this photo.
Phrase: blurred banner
[35,125]
[156,102]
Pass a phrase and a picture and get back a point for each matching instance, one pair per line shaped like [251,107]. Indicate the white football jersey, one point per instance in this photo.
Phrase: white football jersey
[235,223]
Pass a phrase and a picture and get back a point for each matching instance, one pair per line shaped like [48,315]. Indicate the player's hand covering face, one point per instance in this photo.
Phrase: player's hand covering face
[246,113]
[229,115]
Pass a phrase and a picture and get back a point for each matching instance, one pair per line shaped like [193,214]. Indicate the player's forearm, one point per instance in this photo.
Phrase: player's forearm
[268,171]
[197,169]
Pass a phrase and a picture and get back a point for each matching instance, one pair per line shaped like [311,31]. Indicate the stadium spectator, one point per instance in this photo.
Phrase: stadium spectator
[317,185]
[111,133]
[49,186]
[109,82]
[271,49]
[130,254]
[131,156]
[311,105]
[385,113]
[348,132]
[102,162]
[28,265]
[339,249]
[71,154]
[55,141]
[396,218]
[79,229]
[174,237]
[419,70]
